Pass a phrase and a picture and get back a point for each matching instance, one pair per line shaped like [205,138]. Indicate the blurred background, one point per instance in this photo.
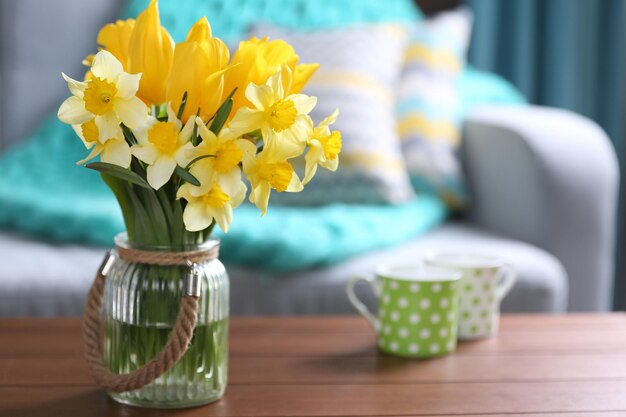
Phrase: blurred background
[566,235]
[568,54]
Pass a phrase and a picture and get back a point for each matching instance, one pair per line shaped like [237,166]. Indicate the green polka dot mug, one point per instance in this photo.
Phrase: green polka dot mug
[417,309]
[485,282]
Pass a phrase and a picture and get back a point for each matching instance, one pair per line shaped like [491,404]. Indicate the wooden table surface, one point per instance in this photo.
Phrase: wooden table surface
[537,366]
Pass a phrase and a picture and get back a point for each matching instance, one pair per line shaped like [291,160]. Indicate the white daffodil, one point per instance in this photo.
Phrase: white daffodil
[222,155]
[112,149]
[216,204]
[324,148]
[161,145]
[281,118]
[108,96]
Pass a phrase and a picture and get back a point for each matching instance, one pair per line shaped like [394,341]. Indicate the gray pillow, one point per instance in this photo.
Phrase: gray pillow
[359,73]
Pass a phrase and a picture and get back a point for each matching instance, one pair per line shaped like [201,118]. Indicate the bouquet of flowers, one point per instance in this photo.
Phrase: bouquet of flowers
[181,128]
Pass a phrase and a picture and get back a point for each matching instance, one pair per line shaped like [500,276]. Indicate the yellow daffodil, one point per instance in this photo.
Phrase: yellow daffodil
[109,97]
[215,204]
[222,155]
[161,145]
[198,69]
[324,148]
[111,147]
[150,51]
[269,170]
[256,60]
[279,116]
[115,38]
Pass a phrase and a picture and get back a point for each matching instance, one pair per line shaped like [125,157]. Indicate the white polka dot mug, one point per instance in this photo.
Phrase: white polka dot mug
[417,309]
[485,281]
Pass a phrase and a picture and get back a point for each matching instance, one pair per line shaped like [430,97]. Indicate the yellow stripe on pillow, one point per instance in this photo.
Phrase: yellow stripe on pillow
[441,58]
[371,161]
[417,124]
[353,80]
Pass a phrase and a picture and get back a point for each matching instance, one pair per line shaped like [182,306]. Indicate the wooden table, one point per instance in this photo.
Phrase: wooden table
[538,366]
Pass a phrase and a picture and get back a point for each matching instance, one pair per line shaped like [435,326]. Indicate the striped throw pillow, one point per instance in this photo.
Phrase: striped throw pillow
[429,107]
[359,74]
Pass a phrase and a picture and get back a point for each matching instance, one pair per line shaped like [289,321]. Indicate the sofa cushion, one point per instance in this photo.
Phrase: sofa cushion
[429,106]
[359,72]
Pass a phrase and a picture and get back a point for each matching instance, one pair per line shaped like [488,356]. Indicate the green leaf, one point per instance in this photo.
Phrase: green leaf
[193,161]
[128,135]
[157,219]
[221,116]
[185,175]
[144,231]
[194,136]
[230,96]
[123,199]
[178,227]
[183,103]
[119,172]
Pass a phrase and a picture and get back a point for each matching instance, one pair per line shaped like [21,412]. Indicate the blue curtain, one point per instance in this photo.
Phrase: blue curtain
[563,53]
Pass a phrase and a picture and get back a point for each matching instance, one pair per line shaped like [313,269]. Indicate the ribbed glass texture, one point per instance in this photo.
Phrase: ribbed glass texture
[140,308]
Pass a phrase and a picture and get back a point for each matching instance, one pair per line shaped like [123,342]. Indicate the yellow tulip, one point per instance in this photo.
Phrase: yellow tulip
[115,38]
[198,68]
[150,52]
[256,60]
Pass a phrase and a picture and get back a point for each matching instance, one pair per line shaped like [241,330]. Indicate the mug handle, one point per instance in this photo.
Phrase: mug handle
[358,304]
[508,279]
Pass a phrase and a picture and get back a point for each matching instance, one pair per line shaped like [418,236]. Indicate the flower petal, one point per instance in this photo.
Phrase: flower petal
[329,120]
[204,132]
[108,127]
[127,85]
[260,196]
[73,112]
[223,216]
[303,103]
[78,129]
[204,172]
[246,120]
[116,152]
[330,164]
[196,217]
[312,158]
[185,134]
[232,185]
[106,66]
[146,153]
[261,96]
[276,84]
[76,87]
[295,185]
[172,117]
[94,152]
[133,113]
[161,171]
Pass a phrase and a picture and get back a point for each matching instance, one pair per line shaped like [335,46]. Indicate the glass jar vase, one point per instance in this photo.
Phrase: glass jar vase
[140,307]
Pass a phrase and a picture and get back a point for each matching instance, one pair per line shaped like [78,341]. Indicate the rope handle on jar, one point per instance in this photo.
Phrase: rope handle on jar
[175,347]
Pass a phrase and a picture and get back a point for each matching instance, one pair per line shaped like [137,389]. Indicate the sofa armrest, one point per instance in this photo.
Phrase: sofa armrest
[548,177]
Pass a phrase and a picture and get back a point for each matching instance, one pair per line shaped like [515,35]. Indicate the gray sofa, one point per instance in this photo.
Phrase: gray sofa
[543,186]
